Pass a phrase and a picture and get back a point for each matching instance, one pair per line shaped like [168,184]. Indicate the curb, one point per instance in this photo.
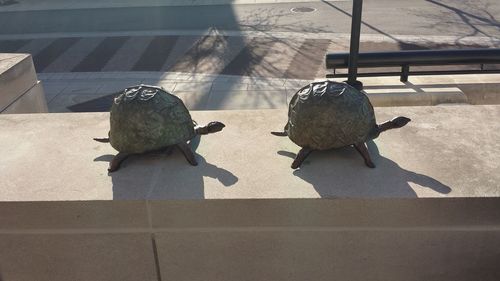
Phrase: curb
[417,99]
[381,92]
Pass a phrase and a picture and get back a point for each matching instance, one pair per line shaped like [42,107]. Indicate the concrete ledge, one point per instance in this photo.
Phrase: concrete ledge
[70,217]
[329,255]
[17,76]
[248,239]
[445,151]
[33,101]
[20,91]
[332,219]
[62,257]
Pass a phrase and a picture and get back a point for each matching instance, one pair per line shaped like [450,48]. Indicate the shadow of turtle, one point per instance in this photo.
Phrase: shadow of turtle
[347,175]
[160,176]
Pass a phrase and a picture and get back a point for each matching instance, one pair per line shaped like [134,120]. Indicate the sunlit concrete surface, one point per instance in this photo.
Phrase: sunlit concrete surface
[429,211]
[446,151]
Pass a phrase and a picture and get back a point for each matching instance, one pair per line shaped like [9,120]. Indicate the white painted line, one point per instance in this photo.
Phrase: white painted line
[183,45]
[483,40]
[128,54]
[35,46]
[74,55]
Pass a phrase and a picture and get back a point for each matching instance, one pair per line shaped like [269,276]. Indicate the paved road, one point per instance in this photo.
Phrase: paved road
[195,39]
[422,17]
[210,54]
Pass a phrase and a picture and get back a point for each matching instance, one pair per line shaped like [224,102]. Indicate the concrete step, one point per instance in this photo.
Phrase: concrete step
[428,211]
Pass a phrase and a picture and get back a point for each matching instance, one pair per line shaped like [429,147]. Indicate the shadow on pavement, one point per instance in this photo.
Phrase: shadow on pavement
[351,178]
[159,177]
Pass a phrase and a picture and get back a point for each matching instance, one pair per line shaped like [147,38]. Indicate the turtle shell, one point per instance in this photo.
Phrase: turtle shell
[147,118]
[325,115]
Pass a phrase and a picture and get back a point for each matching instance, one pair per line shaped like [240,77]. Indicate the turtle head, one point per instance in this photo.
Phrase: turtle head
[400,121]
[215,126]
[395,123]
[212,127]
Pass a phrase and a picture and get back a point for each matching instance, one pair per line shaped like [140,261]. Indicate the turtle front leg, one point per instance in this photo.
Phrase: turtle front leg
[188,153]
[363,150]
[114,165]
[301,156]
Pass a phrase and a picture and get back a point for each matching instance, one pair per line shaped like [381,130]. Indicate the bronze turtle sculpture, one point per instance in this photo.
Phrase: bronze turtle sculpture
[326,115]
[147,118]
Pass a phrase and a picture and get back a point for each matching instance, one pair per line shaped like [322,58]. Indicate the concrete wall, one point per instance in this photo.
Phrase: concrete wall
[20,90]
[287,239]
[63,217]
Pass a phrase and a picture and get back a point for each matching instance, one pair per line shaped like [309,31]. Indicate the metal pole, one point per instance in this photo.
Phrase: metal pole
[357,7]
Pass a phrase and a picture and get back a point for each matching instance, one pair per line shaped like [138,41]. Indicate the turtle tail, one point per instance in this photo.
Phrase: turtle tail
[280,134]
[102,139]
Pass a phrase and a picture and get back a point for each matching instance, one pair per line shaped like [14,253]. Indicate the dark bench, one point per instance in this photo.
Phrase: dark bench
[405,59]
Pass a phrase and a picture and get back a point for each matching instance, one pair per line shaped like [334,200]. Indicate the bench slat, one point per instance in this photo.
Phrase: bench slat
[417,58]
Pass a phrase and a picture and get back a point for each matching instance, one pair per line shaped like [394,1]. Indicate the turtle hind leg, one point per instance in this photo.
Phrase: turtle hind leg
[114,165]
[105,140]
[301,156]
[188,153]
[363,150]
[395,123]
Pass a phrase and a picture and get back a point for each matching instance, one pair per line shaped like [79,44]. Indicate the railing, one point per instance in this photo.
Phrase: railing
[405,59]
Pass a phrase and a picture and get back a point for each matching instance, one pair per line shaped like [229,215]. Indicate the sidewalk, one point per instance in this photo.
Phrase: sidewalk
[35,5]
[94,92]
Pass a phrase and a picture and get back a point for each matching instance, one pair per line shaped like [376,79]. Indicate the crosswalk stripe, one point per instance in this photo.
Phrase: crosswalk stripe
[333,47]
[276,62]
[46,56]
[34,47]
[248,60]
[98,58]
[11,46]
[193,59]
[308,60]
[233,46]
[156,54]
[128,55]
[210,55]
[73,55]
[181,47]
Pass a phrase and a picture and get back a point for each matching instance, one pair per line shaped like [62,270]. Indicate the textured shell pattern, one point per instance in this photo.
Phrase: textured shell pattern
[147,118]
[325,115]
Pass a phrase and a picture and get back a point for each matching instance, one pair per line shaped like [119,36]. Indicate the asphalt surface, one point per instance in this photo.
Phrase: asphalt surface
[137,48]
[289,58]
[389,17]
